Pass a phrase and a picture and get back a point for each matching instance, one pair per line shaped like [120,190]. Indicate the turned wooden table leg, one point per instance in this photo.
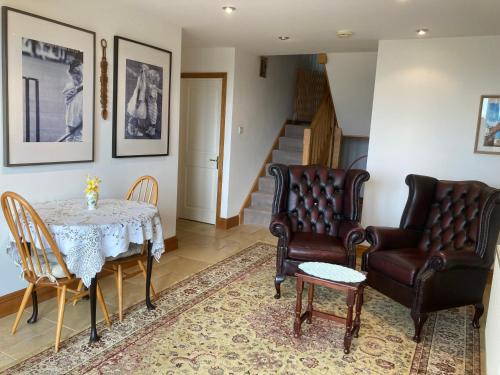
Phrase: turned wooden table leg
[348,325]
[310,297]
[359,305]
[298,307]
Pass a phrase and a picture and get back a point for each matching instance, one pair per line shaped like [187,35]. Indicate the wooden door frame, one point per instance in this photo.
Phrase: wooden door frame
[219,222]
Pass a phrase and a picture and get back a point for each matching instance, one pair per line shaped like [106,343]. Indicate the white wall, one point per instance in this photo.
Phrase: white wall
[67,181]
[424,119]
[352,79]
[205,60]
[261,105]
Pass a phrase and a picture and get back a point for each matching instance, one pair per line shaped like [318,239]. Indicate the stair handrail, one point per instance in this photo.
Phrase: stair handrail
[322,140]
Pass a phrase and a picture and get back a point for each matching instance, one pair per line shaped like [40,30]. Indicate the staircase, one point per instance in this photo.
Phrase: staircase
[289,152]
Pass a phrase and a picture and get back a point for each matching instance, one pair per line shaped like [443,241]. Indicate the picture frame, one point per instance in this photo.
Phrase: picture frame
[488,126]
[141,99]
[48,90]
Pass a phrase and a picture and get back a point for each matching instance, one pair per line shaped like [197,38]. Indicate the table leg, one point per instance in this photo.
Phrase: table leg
[93,296]
[348,323]
[298,307]
[149,270]
[310,297]
[359,305]
[34,300]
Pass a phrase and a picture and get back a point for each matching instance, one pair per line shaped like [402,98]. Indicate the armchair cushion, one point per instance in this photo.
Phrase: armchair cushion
[309,246]
[401,265]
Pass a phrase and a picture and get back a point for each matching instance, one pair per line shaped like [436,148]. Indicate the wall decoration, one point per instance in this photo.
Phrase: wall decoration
[488,125]
[141,99]
[263,67]
[104,81]
[49,86]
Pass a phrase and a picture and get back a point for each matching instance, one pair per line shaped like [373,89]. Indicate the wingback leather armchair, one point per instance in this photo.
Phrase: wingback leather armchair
[440,255]
[316,213]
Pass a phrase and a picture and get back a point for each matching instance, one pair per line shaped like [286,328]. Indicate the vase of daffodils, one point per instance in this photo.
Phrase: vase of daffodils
[92,192]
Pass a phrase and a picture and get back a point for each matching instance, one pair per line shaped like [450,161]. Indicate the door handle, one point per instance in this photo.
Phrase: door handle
[216,160]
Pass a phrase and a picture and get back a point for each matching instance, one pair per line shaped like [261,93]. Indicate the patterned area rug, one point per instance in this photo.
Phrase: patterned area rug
[224,320]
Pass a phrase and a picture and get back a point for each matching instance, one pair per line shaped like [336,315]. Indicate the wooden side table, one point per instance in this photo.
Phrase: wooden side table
[354,297]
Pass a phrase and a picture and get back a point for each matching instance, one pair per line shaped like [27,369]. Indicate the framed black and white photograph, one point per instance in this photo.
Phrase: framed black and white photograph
[141,99]
[48,76]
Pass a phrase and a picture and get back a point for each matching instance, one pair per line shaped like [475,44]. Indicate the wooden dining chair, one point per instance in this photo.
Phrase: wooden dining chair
[144,189]
[42,263]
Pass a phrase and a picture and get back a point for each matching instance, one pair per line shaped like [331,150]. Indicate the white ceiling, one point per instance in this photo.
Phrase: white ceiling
[312,24]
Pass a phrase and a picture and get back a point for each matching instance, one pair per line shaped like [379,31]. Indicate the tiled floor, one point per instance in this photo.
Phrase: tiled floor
[200,245]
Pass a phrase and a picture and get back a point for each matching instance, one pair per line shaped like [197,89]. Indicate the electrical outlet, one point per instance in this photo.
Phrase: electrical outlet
[240,129]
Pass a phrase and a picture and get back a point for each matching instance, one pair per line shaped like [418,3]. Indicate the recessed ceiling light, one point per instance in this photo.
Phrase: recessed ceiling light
[344,33]
[282,37]
[228,9]
[422,32]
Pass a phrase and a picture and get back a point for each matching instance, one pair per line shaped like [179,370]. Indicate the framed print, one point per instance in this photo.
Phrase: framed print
[141,99]
[488,125]
[49,82]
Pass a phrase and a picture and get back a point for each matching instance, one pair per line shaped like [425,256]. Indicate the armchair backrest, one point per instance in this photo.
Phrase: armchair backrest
[458,215]
[317,199]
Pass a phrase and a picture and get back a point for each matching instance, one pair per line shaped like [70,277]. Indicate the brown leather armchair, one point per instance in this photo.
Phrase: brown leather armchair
[440,255]
[316,215]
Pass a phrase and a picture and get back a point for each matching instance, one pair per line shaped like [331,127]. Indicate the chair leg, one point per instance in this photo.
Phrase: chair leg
[479,310]
[24,302]
[419,320]
[119,290]
[145,274]
[102,305]
[277,284]
[78,289]
[60,315]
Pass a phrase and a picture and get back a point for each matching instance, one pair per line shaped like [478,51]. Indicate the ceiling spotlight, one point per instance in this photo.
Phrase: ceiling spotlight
[422,32]
[228,9]
[344,33]
[282,37]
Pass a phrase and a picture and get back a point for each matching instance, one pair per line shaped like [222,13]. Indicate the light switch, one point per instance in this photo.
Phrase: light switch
[240,129]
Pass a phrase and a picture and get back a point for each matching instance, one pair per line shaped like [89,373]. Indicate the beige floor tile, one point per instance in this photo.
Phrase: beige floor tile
[30,338]
[5,361]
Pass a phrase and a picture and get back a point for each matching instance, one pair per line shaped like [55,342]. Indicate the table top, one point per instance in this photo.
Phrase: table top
[74,212]
[87,237]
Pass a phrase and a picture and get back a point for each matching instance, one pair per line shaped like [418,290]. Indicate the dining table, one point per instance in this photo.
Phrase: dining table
[87,238]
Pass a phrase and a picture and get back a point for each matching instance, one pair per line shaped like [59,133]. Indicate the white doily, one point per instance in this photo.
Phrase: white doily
[332,272]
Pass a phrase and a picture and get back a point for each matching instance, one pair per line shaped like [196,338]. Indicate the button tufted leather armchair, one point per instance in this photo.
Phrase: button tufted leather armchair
[440,255]
[316,215]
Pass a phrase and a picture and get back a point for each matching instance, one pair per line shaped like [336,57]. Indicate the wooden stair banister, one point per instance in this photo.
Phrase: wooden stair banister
[323,139]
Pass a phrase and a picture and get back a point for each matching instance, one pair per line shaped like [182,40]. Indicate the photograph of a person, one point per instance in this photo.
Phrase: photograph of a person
[52,92]
[143,105]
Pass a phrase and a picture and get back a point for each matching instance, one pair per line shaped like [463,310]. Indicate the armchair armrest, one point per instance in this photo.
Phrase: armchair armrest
[351,233]
[451,259]
[280,226]
[391,238]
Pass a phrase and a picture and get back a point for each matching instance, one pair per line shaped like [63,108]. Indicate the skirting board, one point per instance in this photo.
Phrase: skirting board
[230,222]
[9,303]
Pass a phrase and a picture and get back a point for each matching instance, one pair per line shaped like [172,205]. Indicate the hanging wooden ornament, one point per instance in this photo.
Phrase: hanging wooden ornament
[104,81]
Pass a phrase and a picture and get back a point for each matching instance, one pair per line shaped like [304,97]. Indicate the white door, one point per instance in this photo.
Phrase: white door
[200,124]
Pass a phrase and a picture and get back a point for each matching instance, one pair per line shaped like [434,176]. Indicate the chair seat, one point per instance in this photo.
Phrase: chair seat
[309,246]
[55,268]
[401,265]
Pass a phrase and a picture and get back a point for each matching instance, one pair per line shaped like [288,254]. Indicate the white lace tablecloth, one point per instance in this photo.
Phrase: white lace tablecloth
[86,237]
